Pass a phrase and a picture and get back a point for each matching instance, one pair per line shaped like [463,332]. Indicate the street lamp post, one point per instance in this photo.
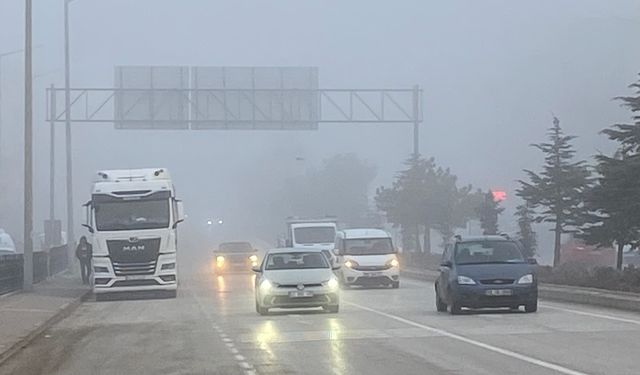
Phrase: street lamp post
[67,112]
[2,55]
[28,154]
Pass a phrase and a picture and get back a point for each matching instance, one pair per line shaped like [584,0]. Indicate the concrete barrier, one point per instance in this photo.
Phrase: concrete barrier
[562,293]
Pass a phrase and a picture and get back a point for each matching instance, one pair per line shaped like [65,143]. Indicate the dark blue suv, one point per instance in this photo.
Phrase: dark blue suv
[487,271]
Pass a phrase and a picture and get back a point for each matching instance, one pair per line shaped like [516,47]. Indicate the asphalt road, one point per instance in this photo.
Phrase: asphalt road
[212,328]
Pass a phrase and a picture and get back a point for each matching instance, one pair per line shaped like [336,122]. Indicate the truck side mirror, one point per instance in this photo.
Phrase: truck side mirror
[179,213]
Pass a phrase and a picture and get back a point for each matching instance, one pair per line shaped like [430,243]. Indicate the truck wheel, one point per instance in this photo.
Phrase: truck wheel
[395,284]
[531,307]
[441,306]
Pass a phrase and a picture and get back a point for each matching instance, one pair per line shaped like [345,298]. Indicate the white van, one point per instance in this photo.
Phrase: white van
[367,257]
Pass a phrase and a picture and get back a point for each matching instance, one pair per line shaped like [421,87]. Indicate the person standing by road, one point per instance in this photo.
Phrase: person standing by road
[84,252]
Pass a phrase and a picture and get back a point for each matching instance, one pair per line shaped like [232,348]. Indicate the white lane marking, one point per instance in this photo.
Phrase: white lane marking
[223,335]
[239,357]
[234,351]
[246,365]
[226,339]
[250,372]
[229,344]
[508,353]
[593,315]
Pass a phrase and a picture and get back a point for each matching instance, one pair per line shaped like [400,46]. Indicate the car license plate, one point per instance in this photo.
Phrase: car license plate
[135,277]
[372,274]
[300,294]
[499,292]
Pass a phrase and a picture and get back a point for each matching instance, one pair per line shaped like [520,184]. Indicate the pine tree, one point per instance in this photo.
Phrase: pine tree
[557,192]
[525,217]
[488,213]
[614,202]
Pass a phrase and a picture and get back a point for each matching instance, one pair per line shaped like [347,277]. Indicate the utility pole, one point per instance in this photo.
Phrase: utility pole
[67,112]
[52,157]
[28,154]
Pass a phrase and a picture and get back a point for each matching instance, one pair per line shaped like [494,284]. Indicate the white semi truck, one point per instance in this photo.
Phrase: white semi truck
[133,217]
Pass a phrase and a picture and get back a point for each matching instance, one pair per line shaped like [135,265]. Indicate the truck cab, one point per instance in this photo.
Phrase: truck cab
[132,218]
[312,234]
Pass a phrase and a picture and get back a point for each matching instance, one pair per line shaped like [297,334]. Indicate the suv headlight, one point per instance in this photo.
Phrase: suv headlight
[266,286]
[526,279]
[333,283]
[464,280]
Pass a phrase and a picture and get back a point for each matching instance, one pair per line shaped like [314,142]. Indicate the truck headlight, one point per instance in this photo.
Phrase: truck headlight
[464,280]
[168,266]
[100,269]
[526,279]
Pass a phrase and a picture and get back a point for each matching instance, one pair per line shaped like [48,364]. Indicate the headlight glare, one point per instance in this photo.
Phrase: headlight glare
[220,260]
[526,279]
[265,286]
[350,264]
[393,263]
[333,283]
[464,280]
[253,258]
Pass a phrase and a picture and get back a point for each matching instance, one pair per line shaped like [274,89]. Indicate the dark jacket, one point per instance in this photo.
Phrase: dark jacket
[84,252]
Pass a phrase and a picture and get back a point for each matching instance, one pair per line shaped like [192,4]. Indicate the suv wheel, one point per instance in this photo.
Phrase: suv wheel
[395,284]
[456,308]
[531,307]
[261,310]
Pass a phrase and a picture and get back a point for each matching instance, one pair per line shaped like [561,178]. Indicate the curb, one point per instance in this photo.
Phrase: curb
[64,311]
[562,293]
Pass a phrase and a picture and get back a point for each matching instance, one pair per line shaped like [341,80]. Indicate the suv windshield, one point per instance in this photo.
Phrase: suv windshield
[296,261]
[311,235]
[132,215]
[368,246]
[236,247]
[477,252]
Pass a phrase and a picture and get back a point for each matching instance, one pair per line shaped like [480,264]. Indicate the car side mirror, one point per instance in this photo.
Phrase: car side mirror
[89,228]
[335,267]
[335,252]
[256,269]
[446,263]
[532,261]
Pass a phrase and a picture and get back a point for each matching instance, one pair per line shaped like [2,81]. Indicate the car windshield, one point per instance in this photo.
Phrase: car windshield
[312,235]
[296,261]
[236,247]
[368,246]
[487,252]
[132,215]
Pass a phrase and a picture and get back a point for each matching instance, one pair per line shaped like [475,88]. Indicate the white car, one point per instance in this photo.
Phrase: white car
[369,258]
[296,278]
[7,246]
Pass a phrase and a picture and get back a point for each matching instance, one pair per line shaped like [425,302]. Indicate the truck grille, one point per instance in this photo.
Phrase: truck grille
[125,269]
[134,250]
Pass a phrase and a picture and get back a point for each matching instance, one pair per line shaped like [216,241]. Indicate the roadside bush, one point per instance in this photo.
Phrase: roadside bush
[627,280]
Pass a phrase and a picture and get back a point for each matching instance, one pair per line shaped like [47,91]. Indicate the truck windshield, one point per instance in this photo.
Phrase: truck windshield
[132,214]
[311,235]
[368,246]
[236,247]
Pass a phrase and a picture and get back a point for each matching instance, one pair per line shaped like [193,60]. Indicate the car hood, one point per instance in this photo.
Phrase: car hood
[310,276]
[494,270]
[370,260]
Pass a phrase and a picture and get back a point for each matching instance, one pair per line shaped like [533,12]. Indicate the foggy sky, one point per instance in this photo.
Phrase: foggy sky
[493,73]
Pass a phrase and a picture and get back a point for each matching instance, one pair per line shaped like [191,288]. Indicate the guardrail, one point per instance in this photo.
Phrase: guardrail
[45,264]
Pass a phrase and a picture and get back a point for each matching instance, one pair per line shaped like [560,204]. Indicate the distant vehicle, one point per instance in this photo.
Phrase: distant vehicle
[486,271]
[296,278]
[133,217]
[239,256]
[311,233]
[368,257]
[7,246]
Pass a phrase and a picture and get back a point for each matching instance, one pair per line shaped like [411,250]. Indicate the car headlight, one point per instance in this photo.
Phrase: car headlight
[220,260]
[526,279]
[333,283]
[265,286]
[393,263]
[253,258]
[464,280]
[351,264]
